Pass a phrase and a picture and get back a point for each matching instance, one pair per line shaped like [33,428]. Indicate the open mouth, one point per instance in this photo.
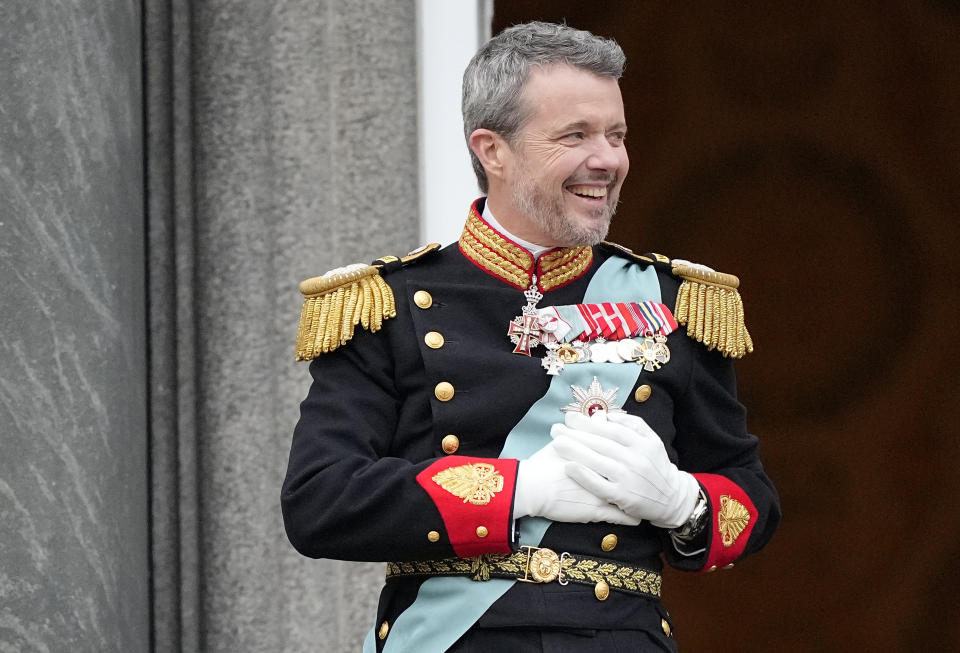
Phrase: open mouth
[588,192]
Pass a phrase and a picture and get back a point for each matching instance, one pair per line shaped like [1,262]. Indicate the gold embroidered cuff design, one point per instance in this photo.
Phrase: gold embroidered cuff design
[477,483]
[732,519]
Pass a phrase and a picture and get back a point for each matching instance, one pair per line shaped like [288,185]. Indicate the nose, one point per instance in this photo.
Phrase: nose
[607,156]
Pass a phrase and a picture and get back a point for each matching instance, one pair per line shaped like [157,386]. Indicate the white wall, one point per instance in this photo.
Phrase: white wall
[448,33]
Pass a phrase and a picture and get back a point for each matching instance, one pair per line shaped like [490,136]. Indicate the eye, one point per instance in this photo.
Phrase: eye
[573,136]
[617,138]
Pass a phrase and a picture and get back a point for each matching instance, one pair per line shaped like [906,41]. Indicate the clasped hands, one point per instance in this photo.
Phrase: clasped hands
[607,467]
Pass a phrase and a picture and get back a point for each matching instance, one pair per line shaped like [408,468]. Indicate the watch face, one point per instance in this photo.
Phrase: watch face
[695,524]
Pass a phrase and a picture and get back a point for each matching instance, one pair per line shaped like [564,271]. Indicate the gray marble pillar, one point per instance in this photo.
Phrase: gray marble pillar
[282,143]
[73,420]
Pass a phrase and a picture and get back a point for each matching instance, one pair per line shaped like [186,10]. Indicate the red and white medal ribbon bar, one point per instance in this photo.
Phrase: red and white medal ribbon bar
[610,332]
[609,320]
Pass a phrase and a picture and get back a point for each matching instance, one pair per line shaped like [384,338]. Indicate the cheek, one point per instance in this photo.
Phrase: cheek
[624,163]
[556,161]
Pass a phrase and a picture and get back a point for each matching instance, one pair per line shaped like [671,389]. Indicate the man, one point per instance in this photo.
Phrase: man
[516,423]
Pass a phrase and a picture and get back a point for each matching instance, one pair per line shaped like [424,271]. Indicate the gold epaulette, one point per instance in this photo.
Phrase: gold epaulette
[335,304]
[709,304]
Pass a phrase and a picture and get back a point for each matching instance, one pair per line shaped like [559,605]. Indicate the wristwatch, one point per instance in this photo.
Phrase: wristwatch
[693,526]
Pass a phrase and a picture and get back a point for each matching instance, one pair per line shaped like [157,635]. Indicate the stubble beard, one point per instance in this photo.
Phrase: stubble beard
[548,213]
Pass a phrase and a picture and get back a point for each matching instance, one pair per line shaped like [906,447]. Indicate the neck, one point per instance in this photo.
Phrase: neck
[535,249]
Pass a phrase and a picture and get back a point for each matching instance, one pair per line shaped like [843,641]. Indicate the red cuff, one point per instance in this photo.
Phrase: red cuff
[733,518]
[474,497]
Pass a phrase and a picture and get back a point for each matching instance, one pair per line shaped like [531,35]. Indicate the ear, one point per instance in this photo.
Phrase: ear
[492,150]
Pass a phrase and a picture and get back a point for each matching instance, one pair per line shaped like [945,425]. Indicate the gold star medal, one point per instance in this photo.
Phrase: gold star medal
[592,399]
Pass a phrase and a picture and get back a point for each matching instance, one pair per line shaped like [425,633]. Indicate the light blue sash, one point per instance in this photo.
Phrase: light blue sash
[446,607]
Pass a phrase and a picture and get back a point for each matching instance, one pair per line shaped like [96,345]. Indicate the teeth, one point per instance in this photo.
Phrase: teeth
[589,191]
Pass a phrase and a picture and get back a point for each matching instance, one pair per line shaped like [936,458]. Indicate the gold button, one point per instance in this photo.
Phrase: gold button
[434,340]
[423,299]
[609,542]
[443,391]
[666,627]
[642,393]
[482,531]
[384,629]
[450,443]
[730,566]
[433,536]
[601,590]
[713,568]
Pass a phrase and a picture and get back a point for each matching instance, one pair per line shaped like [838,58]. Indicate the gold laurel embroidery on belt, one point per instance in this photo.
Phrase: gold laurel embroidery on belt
[618,576]
[732,519]
[477,483]
[577,569]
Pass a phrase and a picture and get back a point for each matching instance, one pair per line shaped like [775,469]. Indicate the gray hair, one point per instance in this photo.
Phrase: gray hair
[494,79]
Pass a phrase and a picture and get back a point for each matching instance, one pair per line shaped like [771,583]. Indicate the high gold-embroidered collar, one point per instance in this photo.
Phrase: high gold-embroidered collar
[497,255]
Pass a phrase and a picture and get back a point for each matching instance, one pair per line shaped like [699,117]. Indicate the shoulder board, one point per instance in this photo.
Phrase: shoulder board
[625,252]
[337,301]
[709,304]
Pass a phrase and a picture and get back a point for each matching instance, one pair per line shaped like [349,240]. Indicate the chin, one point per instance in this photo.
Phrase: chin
[591,233]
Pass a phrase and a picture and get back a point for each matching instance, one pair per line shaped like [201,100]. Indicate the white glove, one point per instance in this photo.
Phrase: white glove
[544,490]
[620,459]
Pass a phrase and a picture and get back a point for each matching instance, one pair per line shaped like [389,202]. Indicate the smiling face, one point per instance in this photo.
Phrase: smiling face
[563,171]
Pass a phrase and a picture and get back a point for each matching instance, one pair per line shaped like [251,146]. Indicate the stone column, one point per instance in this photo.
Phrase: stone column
[282,144]
[73,421]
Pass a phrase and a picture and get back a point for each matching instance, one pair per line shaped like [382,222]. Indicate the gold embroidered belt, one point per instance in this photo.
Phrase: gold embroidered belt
[540,565]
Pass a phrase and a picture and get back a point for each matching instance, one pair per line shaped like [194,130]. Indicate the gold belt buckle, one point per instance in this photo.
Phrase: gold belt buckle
[543,566]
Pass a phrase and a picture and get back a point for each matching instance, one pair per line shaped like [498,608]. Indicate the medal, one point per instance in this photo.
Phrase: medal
[524,330]
[560,355]
[593,399]
[596,333]
[653,352]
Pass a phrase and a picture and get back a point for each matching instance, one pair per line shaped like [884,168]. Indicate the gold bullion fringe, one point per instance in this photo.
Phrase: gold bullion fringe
[335,305]
[711,308]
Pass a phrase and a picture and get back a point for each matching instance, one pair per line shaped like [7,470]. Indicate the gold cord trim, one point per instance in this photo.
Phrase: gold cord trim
[490,251]
[488,237]
[334,305]
[490,261]
[710,306]
[493,253]
[564,265]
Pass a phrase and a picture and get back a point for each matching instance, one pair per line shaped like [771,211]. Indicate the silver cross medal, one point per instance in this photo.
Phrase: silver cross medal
[524,330]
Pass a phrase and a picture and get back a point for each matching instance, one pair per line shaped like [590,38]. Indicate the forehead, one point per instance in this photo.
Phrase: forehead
[561,94]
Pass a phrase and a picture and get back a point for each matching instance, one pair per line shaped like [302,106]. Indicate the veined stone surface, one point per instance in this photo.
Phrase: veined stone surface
[73,482]
[299,120]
